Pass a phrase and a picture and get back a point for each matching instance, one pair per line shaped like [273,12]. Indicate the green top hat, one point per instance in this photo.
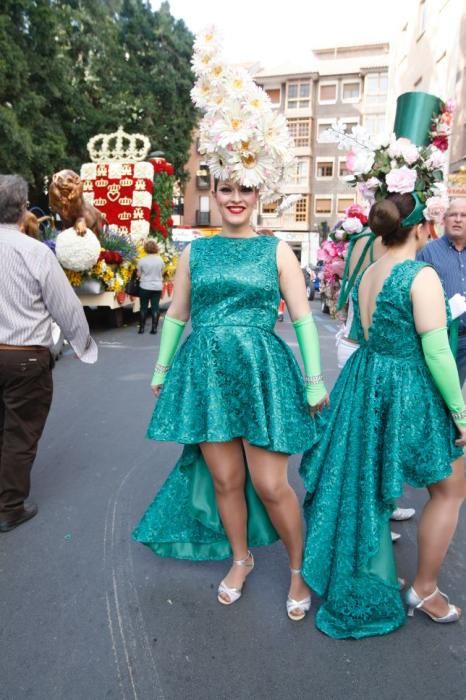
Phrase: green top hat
[414,114]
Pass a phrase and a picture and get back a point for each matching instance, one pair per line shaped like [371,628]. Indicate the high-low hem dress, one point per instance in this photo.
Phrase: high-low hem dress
[353,477]
[233,377]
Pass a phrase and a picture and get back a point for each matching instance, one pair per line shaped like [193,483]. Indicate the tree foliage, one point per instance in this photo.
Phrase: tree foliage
[71,69]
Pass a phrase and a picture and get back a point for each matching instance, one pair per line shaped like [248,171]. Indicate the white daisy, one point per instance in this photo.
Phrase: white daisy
[203,61]
[208,40]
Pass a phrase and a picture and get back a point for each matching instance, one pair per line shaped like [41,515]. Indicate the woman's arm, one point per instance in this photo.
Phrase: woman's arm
[291,279]
[431,323]
[293,290]
[175,321]
[180,307]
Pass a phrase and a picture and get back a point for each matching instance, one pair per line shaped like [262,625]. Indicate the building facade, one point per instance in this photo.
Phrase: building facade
[429,54]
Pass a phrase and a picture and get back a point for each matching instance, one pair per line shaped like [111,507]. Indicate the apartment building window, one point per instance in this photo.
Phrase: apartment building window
[203,213]
[300,130]
[349,122]
[343,203]
[274,94]
[298,96]
[203,177]
[376,88]
[328,93]
[322,127]
[301,175]
[342,169]
[374,124]
[269,208]
[322,205]
[301,208]
[351,91]
[324,168]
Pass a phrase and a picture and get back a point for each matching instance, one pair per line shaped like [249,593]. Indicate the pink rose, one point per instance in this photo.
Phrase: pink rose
[436,208]
[450,105]
[352,225]
[350,161]
[402,148]
[436,159]
[401,180]
[340,235]
[338,267]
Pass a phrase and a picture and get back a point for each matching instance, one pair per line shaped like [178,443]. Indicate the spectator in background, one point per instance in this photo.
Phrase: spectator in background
[34,291]
[150,274]
[448,256]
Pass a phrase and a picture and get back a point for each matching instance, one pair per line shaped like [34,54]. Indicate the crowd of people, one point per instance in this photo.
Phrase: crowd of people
[233,395]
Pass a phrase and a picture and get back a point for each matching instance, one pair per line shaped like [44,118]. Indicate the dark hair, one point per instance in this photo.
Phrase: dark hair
[13,198]
[150,246]
[385,218]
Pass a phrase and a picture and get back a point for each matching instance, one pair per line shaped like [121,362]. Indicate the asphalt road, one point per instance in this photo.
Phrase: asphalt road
[88,614]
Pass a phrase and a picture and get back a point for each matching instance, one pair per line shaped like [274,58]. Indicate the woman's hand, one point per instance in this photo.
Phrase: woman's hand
[461,441]
[317,408]
[156,389]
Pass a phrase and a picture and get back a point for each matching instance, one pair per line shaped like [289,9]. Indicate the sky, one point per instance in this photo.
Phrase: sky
[253,31]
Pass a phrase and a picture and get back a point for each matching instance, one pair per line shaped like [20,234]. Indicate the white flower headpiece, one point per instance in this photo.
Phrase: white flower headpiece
[241,136]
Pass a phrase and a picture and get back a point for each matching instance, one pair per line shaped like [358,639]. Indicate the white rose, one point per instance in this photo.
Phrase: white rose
[352,225]
[363,162]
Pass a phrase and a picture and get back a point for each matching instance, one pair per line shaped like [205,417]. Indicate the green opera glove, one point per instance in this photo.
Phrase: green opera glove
[308,341]
[442,366]
[171,333]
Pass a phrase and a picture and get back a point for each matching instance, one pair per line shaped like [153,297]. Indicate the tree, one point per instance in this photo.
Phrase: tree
[72,68]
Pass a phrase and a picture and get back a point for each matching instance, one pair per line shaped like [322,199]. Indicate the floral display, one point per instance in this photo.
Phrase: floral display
[116,259]
[75,251]
[242,137]
[380,166]
[333,252]
[161,221]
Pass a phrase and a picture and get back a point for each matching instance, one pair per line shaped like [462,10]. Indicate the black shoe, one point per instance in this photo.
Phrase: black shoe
[141,329]
[28,511]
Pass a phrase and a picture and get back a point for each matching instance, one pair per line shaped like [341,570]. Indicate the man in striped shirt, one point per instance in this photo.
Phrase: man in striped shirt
[448,256]
[34,290]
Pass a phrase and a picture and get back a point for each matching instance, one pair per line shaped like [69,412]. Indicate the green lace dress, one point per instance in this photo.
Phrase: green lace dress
[387,424]
[232,377]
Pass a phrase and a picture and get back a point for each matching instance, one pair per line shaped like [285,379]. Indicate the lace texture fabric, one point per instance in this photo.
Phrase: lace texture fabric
[387,425]
[232,377]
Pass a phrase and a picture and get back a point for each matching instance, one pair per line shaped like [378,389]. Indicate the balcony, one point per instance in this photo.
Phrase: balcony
[202,218]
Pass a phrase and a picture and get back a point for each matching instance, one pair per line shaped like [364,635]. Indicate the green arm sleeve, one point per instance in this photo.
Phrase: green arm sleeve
[308,341]
[171,334]
[442,366]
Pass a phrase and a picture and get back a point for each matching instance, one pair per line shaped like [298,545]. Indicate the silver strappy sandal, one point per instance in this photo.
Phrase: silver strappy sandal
[235,594]
[293,606]
[416,603]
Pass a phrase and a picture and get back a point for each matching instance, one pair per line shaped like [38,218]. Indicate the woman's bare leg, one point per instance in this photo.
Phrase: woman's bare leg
[269,474]
[436,529]
[226,465]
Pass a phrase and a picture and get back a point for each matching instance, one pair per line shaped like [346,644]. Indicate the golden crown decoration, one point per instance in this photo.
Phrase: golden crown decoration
[118,145]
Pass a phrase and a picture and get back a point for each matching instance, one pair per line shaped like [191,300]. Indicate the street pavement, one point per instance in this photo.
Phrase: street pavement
[88,614]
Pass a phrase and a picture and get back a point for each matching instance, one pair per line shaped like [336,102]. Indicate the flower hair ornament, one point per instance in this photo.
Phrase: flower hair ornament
[411,160]
[240,135]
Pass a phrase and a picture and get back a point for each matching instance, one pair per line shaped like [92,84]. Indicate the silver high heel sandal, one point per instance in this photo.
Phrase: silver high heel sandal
[235,594]
[416,603]
[292,606]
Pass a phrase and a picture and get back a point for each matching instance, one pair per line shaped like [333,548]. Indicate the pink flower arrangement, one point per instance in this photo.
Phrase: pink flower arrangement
[436,208]
[401,180]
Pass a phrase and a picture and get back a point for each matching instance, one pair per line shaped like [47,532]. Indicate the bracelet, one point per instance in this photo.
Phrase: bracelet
[314,379]
[460,415]
[161,369]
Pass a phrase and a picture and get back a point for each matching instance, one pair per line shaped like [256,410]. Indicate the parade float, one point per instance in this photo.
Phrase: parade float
[119,199]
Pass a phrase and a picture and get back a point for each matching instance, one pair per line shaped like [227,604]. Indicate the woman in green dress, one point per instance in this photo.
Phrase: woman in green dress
[234,395]
[397,415]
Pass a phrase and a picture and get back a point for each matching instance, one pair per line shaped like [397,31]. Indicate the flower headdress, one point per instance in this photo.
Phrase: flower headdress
[242,137]
[411,160]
